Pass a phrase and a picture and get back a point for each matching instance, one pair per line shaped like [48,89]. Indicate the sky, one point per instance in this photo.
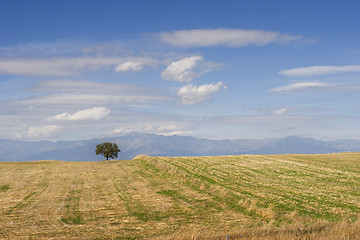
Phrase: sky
[229,69]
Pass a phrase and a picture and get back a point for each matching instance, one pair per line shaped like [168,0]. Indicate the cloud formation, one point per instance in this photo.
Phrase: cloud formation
[69,66]
[72,99]
[299,86]
[176,133]
[169,130]
[192,94]
[95,113]
[45,131]
[86,87]
[75,94]
[129,66]
[182,70]
[280,111]
[160,127]
[224,37]
[318,70]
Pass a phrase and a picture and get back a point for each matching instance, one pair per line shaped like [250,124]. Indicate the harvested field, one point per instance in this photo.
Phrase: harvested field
[245,197]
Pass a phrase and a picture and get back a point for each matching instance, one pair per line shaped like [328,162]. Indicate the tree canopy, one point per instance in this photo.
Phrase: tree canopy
[108,150]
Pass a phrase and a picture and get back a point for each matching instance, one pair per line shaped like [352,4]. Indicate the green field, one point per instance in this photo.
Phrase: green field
[245,197]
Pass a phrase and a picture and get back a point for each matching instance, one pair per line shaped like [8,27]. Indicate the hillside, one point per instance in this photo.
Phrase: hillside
[245,197]
[134,144]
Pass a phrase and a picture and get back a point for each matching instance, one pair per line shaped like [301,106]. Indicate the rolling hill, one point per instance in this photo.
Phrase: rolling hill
[244,197]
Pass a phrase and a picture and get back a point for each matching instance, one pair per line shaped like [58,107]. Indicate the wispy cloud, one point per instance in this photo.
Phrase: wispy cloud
[45,49]
[70,66]
[178,133]
[166,128]
[170,130]
[182,70]
[95,113]
[300,86]
[280,111]
[129,66]
[225,37]
[318,70]
[85,93]
[90,99]
[60,67]
[37,132]
[192,94]
[61,101]
[83,87]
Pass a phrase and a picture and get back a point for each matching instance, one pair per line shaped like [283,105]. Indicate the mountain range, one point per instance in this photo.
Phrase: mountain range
[157,145]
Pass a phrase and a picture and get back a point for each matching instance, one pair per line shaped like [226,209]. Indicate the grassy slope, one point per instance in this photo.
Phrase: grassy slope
[256,197]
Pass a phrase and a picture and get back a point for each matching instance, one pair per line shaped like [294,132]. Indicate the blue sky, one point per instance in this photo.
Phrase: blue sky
[212,69]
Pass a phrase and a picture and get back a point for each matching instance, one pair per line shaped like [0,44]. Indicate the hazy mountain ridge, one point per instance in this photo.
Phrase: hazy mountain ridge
[150,144]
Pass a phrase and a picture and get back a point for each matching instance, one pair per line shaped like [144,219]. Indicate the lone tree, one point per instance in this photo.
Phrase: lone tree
[108,150]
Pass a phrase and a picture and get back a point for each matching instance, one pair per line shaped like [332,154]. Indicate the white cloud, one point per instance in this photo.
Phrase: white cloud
[169,130]
[182,70]
[91,99]
[54,66]
[129,66]
[178,133]
[54,48]
[95,113]
[280,111]
[164,128]
[226,37]
[192,94]
[300,86]
[169,127]
[86,93]
[319,70]
[87,87]
[66,66]
[39,132]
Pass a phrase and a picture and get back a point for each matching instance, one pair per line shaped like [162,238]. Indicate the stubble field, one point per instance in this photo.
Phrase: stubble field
[244,197]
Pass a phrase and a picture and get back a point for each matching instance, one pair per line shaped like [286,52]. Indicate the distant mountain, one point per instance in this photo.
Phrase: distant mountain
[298,145]
[156,145]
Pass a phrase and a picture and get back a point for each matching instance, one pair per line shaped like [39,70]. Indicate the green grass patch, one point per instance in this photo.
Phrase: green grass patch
[136,208]
[23,202]
[175,195]
[4,188]
[72,213]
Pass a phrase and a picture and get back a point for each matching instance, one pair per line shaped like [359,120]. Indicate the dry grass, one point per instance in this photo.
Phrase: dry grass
[245,197]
